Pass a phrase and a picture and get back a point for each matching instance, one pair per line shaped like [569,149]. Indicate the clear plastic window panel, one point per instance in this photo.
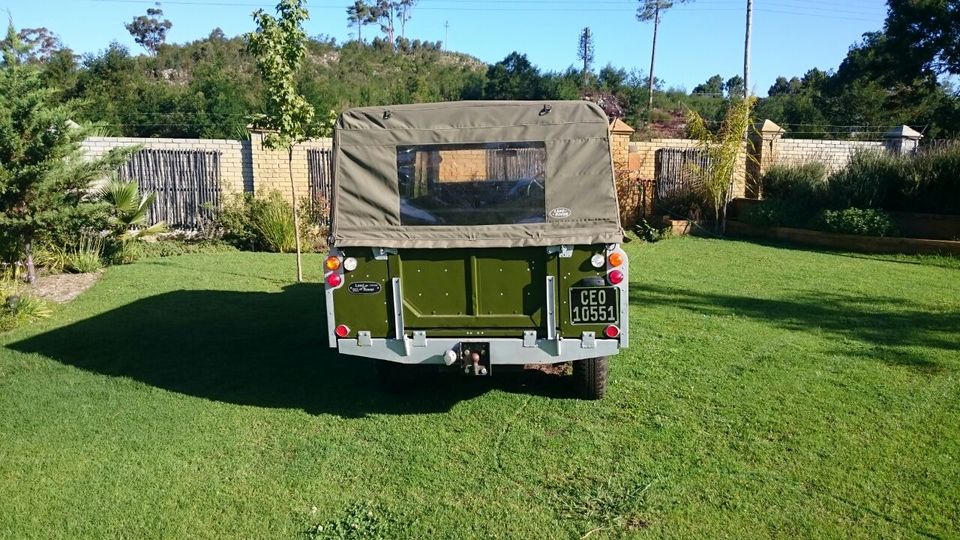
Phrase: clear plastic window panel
[472,184]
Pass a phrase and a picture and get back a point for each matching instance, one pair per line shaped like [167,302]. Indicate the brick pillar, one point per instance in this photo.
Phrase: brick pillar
[620,134]
[902,140]
[761,154]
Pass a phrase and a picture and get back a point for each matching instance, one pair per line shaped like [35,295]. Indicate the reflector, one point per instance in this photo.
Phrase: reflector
[611,331]
[342,330]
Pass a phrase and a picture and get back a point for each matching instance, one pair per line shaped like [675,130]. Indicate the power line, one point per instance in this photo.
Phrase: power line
[790,9]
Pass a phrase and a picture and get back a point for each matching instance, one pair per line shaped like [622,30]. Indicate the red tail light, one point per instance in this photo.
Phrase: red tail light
[615,277]
[334,279]
[342,330]
[611,331]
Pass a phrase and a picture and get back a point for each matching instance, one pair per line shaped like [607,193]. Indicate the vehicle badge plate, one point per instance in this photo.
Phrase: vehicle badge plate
[364,287]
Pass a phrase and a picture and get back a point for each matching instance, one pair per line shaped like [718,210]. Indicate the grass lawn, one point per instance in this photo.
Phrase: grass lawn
[768,391]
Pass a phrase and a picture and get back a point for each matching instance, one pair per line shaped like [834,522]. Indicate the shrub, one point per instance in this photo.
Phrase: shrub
[18,307]
[777,213]
[172,248]
[870,180]
[51,257]
[313,228]
[85,257]
[264,223]
[273,219]
[691,205]
[928,182]
[934,186]
[235,222]
[804,185]
[865,222]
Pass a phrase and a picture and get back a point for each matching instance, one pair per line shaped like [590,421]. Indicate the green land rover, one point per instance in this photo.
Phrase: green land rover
[478,234]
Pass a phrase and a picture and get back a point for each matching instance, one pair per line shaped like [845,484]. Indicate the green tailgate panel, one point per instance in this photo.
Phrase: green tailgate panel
[478,288]
[364,312]
[465,292]
[573,270]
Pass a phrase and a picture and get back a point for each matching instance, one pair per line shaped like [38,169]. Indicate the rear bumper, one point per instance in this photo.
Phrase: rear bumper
[503,351]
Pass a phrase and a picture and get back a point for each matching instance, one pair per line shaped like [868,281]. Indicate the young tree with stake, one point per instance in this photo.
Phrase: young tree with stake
[279,45]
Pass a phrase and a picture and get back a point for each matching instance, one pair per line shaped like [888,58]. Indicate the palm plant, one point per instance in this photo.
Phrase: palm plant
[129,210]
[725,150]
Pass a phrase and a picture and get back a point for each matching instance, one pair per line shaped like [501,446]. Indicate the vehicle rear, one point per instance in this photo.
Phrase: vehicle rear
[477,235]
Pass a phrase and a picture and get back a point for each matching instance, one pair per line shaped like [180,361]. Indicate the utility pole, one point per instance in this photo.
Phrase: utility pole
[746,51]
[653,58]
[446,34]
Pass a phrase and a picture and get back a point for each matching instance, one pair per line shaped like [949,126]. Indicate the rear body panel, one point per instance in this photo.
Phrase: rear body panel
[463,294]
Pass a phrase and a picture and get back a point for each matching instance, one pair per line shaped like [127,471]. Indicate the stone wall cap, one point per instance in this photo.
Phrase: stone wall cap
[619,127]
[768,127]
[903,132]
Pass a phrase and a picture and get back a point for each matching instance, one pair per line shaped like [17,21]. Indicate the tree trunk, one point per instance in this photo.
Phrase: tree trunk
[296,217]
[28,251]
[653,58]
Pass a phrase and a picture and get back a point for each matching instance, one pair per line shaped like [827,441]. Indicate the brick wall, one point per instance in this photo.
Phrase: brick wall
[462,165]
[643,158]
[244,165]
[269,167]
[235,171]
[833,154]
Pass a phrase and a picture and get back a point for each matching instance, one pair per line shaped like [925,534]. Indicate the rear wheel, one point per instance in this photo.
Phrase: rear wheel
[590,377]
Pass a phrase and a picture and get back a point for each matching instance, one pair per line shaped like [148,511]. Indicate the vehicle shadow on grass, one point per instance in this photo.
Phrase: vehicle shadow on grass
[891,326]
[255,348]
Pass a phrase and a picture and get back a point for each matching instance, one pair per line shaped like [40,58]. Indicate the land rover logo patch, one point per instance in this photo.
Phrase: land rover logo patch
[560,213]
[364,287]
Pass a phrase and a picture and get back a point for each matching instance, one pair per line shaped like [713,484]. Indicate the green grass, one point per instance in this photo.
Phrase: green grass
[768,391]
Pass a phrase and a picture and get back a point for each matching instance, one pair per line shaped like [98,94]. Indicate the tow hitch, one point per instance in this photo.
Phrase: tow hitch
[474,358]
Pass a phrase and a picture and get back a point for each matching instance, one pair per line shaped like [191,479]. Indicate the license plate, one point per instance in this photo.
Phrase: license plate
[594,305]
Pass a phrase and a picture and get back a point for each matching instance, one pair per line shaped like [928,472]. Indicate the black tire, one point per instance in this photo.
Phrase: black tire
[590,377]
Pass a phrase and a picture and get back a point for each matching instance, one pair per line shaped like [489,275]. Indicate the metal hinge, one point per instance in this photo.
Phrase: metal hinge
[565,250]
[381,254]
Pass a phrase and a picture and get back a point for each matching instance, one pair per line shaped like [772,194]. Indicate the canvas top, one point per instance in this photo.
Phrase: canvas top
[474,174]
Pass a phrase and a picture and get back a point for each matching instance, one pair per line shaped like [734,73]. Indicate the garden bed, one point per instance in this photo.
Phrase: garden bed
[910,224]
[850,242]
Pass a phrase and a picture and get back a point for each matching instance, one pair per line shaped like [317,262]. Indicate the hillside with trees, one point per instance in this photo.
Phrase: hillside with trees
[901,74]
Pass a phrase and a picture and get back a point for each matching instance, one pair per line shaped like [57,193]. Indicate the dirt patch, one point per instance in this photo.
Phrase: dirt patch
[550,369]
[63,287]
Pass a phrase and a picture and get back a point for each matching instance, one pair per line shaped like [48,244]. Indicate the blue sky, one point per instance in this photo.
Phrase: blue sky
[697,39]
